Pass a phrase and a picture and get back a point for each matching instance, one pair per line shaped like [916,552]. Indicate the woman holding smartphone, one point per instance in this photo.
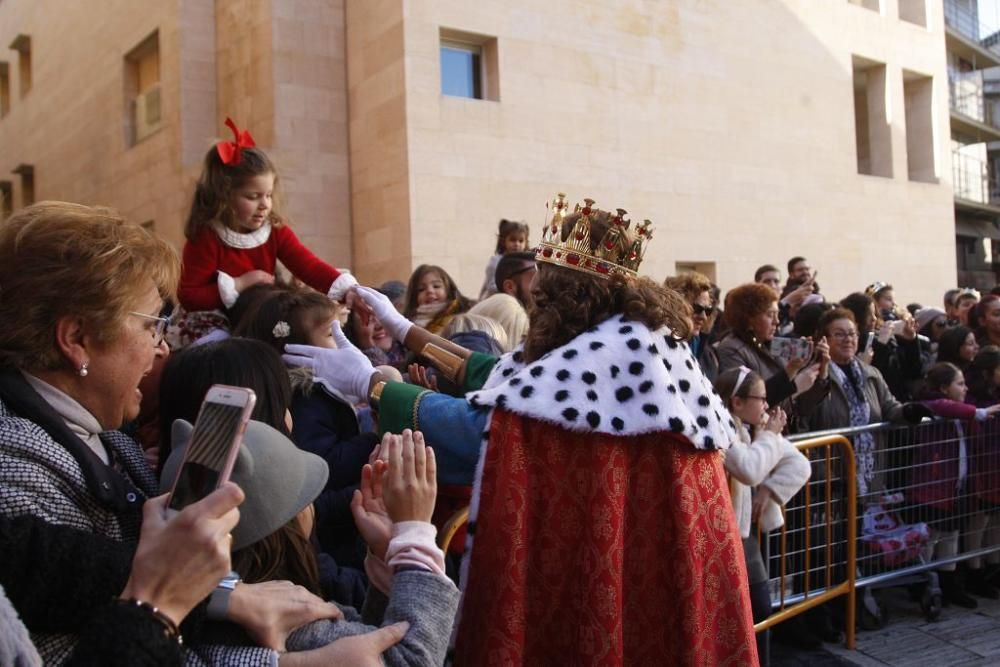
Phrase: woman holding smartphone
[70,368]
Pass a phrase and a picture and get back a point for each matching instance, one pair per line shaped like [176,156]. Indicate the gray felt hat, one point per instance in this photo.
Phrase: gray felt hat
[278,478]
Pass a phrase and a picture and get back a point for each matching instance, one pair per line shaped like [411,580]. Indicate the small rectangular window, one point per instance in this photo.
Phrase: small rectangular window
[469,65]
[918,98]
[706,269]
[22,44]
[4,89]
[143,114]
[874,5]
[27,174]
[461,70]
[872,129]
[913,11]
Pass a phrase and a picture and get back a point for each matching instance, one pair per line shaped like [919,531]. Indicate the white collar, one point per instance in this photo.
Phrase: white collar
[618,378]
[79,419]
[244,240]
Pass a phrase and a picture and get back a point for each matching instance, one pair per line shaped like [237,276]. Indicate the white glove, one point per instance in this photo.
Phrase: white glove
[392,321]
[345,369]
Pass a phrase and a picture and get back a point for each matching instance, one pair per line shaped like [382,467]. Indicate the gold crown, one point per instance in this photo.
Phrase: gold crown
[616,254]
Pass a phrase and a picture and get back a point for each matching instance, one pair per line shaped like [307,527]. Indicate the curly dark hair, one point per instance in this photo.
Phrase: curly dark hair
[950,345]
[568,302]
[860,304]
[745,302]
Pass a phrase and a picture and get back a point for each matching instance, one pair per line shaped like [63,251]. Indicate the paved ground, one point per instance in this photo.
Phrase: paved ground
[959,638]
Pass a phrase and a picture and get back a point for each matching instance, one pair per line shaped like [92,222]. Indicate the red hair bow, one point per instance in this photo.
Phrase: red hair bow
[231,151]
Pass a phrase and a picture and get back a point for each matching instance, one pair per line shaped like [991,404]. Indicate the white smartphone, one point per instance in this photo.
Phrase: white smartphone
[869,339]
[215,442]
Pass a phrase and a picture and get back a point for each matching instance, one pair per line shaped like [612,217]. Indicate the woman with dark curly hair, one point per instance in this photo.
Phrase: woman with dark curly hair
[958,346]
[752,315]
[598,440]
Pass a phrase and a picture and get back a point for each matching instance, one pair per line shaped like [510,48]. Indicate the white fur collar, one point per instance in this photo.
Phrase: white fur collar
[618,378]
[235,239]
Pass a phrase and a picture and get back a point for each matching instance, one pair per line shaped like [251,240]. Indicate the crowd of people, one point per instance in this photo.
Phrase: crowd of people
[611,441]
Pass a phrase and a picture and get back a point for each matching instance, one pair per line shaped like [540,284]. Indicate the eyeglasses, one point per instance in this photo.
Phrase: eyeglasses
[940,323]
[844,335]
[159,329]
[759,398]
[702,310]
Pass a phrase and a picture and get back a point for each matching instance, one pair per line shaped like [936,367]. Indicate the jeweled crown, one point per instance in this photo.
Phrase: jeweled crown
[616,254]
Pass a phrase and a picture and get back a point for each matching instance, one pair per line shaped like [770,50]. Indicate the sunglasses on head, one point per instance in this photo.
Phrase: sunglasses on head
[702,310]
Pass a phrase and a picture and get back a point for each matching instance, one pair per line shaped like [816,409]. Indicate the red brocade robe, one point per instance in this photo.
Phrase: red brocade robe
[595,549]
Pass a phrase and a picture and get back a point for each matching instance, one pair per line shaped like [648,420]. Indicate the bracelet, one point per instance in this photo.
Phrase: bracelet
[170,628]
[448,363]
[375,397]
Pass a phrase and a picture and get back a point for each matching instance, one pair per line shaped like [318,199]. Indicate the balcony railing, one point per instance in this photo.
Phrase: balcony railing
[966,22]
[966,96]
[973,180]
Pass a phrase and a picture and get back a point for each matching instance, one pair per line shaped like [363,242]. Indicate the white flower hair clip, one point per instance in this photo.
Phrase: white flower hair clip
[281,329]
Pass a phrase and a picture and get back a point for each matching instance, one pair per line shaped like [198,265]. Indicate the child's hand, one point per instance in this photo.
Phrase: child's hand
[992,410]
[251,278]
[368,507]
[410,486]
[419,376]
[777,420]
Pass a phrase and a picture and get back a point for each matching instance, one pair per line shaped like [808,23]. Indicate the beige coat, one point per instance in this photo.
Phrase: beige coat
[770,461]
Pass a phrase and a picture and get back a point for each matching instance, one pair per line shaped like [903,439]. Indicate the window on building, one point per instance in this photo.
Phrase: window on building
[874,5]
[918,97]
[143,114]
[6,199]
[27,174]
[22,44]
[706,269]
[4,89]
[873,138]
[913,11]
[469,66]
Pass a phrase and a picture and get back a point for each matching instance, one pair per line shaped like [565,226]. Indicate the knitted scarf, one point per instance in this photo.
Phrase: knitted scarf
[853,386]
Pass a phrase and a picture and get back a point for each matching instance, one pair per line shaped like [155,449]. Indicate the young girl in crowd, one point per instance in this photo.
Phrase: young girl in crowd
[940,470]
[983,527]
[511,237]
[432,298]
[393,509]
[958,346]
[765,470]
[235,236]
[324,421]
[369,336]
[242,362]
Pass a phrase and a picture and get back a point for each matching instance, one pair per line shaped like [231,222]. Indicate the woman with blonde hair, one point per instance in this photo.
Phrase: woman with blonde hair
[83,301]
[697,291]
[509,313]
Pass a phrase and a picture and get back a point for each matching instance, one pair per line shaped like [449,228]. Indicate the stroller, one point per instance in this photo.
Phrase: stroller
[889,544]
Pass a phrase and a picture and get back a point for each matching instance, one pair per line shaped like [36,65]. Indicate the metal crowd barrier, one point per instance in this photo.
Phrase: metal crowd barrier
[887,504]
[807,556]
